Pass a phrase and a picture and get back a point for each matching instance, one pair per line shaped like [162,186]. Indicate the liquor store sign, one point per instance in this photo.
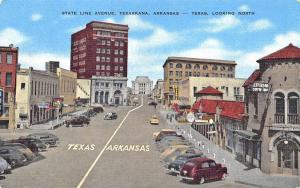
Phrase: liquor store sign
[259,87]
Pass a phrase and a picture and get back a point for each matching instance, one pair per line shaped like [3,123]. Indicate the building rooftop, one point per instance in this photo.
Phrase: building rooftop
[252,78]
[289,52]
[210,90]
[229,109]
[199,60]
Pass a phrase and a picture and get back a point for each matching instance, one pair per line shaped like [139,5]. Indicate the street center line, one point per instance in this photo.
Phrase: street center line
[107,143]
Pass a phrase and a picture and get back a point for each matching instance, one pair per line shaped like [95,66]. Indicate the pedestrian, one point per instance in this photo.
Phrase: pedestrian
[155,106]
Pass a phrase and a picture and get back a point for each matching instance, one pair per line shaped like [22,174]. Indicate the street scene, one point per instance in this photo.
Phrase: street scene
[149,94]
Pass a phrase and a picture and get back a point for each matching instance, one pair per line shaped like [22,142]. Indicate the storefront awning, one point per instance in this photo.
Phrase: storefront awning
[246,134]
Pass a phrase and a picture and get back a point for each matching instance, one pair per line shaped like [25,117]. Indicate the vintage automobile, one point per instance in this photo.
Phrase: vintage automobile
[178,151]
[13,156]
[155,134]
[35,145]
[154,120]
[110,116]
[4,166]
[22,148]
[48,138]
[78,121]
[175,166]
[200,170]
[165,133]
[98,109]
[168,144]
[152,103]
[171,149]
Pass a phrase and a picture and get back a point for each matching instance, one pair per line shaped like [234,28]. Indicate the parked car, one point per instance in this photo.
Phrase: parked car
[170,150]
[155,134]
[178,151]
[98,109]
[48,138]
[22,148]
[154,120]
[4,166]
[110,115]
[152,103]
[200,170]
[35,145]
[78,121]
[165,146]
[175,166]
[165,133]
[13,156]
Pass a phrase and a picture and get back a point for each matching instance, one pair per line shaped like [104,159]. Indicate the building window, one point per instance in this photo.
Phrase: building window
[9,58]
[116,68]
[171,65]
[97,67]
[117,43]
[121,68]
[222,68]
[98,50]
[170,73]
[108,51]
[215,67]
[102,67]
[107,59]
[121,60]
[102,59]
[103,42]
[107,67]
[97,58]
[197,67]
[188,66]
[178,65]
[108,43]
[103,50]
[116,52]
[121,52]
[293,100]
[8,79]
[230,68]
[279,100]
[116,60]
[205,67]
[121,44]
[22,86]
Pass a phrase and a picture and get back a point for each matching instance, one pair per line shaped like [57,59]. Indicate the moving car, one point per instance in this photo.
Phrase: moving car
[48,138]
[200,170]
[154,120]
[13,156]
[78,121]
[23,149]
[4,166]
[175,166]
[110,116]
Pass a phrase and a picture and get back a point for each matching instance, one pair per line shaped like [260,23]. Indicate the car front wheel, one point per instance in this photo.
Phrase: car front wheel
[202,180]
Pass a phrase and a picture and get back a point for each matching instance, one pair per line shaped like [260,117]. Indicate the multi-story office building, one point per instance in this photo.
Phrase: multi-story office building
[35,91]
[180,68]
[272,103]
[100,49]
[8,69]
[142,85]
[52,66]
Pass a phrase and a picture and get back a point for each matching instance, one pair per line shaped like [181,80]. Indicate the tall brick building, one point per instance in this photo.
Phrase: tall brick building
[100,49]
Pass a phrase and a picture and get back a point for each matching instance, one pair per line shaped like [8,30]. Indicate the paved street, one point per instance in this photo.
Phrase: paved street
[63,167]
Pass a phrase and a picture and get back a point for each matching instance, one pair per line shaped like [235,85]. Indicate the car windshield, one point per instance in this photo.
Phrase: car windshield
[190,164]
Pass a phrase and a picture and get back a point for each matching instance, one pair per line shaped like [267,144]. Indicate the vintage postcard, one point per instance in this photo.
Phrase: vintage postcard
[149,94]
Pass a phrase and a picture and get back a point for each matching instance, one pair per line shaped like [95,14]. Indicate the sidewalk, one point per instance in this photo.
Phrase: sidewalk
[53,124]
[238,172]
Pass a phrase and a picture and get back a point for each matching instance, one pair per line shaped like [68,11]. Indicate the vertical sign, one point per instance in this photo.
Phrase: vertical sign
[1,102]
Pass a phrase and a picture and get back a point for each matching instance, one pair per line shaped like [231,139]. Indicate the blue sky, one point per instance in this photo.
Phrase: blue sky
[42,33]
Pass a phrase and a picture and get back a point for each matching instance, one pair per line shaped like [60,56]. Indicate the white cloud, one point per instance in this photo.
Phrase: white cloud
[210,49]
[136,23]
[36,17]
[244,8]
[37,60]
[248,59]
[1,1]
[260,24]
[76,29]
[11,36]
[220,24]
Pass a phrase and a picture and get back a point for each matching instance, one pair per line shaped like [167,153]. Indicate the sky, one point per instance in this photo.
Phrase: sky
[42,32]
